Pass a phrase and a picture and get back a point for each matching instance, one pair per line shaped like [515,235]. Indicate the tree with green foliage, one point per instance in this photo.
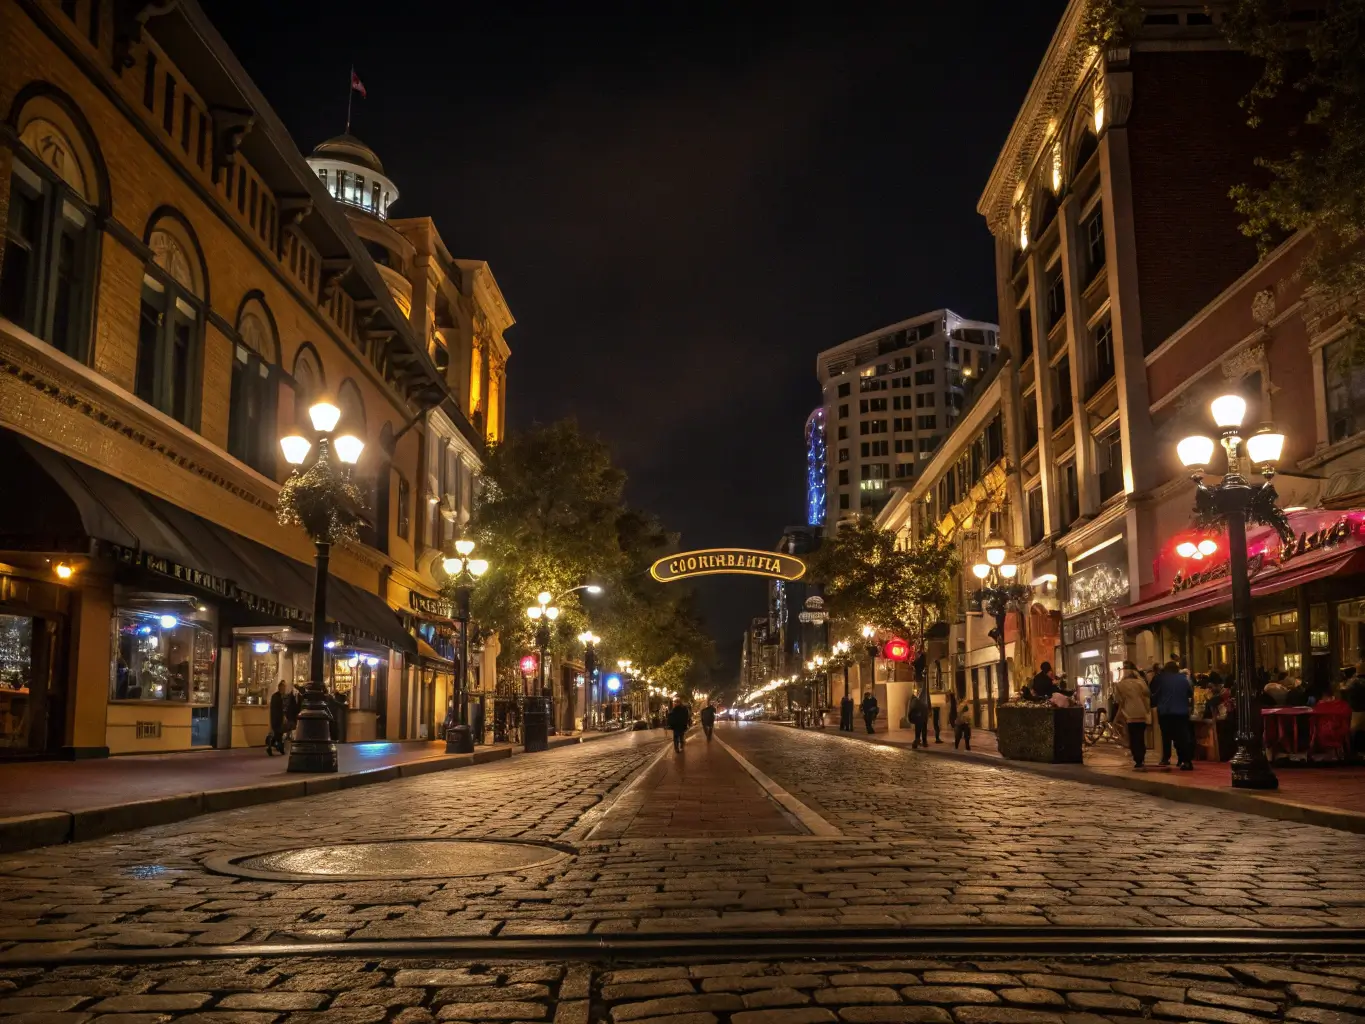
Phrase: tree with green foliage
[551,516]
[870,579]
[1320,185]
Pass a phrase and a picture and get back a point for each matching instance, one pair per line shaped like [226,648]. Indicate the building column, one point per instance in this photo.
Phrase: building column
[92,610]
[1141,464]
[1081,357]
[1042,396]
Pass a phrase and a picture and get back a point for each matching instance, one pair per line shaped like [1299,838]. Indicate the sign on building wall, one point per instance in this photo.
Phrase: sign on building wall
[726,561]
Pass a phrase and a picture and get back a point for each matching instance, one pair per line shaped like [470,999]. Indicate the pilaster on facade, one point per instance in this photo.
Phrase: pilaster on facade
[1043,396]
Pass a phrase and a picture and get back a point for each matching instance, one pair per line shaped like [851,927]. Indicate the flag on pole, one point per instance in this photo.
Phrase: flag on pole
[357,85]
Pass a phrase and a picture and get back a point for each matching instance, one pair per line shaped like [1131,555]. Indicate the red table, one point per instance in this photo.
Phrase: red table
[1329,727]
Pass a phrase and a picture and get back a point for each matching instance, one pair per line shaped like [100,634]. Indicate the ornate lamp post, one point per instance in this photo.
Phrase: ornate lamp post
[323,500]
[997,593]
[1234,501]
[589,641]
[537,731]
[462,571]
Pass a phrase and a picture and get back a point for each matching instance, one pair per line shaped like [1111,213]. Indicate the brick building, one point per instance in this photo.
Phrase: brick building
[1128,300]
[177,286]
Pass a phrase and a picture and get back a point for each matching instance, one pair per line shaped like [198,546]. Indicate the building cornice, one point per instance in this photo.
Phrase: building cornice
[1067,61]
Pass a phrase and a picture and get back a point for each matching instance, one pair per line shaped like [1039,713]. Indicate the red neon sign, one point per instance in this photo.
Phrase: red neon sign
[529,665]
[896,649]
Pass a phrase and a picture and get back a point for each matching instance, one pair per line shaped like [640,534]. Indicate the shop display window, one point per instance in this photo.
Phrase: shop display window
[260,663]
[356,679]
[161,656]
[16,675]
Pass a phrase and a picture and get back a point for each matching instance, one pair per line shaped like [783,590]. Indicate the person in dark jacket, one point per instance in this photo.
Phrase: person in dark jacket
[919,718]
[679,718]
[869,709]
[708,720]
[274,740]
[1042,686]
[846,714]
[1173,697]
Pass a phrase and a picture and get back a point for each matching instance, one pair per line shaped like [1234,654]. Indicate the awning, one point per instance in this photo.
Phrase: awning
[428,654]
[1316,566]
[143,530]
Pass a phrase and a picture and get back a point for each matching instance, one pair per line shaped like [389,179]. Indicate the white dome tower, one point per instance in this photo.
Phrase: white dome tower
[353,175]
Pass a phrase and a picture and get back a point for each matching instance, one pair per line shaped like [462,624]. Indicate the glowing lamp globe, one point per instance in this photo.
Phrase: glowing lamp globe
[1185,548]
[981,570]
[348,448]
[1265,447]
[1207,546]
[452,566]
[614,683]
[464,546]
[1195,452]
[1228,410]
[528,664]
[324,417]
[478,566]
[296,448]
[896,649]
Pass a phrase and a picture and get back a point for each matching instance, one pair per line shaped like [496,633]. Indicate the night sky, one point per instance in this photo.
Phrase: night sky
[682,205]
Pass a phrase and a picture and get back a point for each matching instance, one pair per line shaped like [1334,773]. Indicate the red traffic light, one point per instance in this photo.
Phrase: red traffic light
[529,665]
[896,649]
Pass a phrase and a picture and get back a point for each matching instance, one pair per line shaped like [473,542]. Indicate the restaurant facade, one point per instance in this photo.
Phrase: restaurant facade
[177,286]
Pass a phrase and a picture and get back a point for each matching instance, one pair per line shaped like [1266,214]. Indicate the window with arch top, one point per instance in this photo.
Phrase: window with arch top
[255,388]
[51,241]
[171,324]
[309,384]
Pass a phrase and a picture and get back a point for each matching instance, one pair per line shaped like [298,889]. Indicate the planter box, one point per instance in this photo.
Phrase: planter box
[1040,732]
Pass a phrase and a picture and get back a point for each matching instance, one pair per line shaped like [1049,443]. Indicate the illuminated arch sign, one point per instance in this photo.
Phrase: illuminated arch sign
[718,561]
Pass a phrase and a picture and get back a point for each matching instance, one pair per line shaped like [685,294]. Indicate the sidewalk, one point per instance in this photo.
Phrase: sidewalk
[48,802]
[1332,797]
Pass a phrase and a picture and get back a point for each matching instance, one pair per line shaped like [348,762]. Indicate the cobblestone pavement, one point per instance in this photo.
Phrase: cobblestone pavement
[1089,990]
[927,842]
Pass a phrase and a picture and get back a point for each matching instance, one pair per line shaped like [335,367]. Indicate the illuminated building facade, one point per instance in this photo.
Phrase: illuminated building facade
[817,469]
[889,398]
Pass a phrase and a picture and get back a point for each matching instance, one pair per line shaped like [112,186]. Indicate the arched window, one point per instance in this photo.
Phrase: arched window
[352,406]
[171,327]
[255,388]
[309,383]
[51,242]
[1085,149]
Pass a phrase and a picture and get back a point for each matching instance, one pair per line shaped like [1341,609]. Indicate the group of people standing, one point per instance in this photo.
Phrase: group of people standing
[678,719]
[285,704]
[1170,691]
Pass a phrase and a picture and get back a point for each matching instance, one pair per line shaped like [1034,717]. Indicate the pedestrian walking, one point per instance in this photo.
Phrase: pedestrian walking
[293,704]
[1173,694]
[708,720]
[869,709]
[846,714]
[962,731]
[274,739]
[679,718]
[919,718]
[1134,701]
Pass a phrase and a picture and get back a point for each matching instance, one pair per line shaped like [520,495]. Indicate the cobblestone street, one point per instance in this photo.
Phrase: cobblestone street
[926,842]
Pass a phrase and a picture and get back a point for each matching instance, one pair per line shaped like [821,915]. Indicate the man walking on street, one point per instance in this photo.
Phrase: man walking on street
[919,718]
[846,714]
[870,709]
[708,720]
[275,740]
[1173,694]
[679,718]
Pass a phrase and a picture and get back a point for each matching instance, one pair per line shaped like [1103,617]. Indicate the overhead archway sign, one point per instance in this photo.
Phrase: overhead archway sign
[727,561]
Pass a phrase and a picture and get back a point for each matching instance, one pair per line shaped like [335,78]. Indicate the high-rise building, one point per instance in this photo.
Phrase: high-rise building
[889,397]
[816,467]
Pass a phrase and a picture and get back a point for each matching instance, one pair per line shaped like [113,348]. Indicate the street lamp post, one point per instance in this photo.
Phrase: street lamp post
[997,593]
[463,571]
[321,499]
[1231,501]
[589,641]
[536,733]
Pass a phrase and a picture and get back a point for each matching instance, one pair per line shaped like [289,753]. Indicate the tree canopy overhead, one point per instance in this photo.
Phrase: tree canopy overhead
[551,516]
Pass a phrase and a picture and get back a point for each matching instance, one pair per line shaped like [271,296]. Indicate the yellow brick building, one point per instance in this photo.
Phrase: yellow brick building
[177,285]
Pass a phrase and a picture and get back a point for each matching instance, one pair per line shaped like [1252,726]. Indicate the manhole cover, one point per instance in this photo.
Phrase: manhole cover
[397,859]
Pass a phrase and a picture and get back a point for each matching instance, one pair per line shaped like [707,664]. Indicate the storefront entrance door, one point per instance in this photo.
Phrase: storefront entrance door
[32,712]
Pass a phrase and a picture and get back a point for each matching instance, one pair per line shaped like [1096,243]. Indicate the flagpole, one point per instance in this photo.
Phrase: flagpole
[350,97]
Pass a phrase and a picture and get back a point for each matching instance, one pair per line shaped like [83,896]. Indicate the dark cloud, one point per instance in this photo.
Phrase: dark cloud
[682,204]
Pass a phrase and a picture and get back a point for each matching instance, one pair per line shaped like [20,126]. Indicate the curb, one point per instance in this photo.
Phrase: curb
[1241,801]
[52,828]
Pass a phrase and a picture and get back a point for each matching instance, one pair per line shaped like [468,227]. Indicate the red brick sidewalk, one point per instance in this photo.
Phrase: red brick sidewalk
[702,792]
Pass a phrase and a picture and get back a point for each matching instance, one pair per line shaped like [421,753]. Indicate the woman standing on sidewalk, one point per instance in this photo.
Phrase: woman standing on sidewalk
[1135,707]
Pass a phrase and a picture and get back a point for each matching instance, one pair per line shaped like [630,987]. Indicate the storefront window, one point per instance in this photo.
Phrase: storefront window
[16,673]
[161,656]
[260,664]
[356,678]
